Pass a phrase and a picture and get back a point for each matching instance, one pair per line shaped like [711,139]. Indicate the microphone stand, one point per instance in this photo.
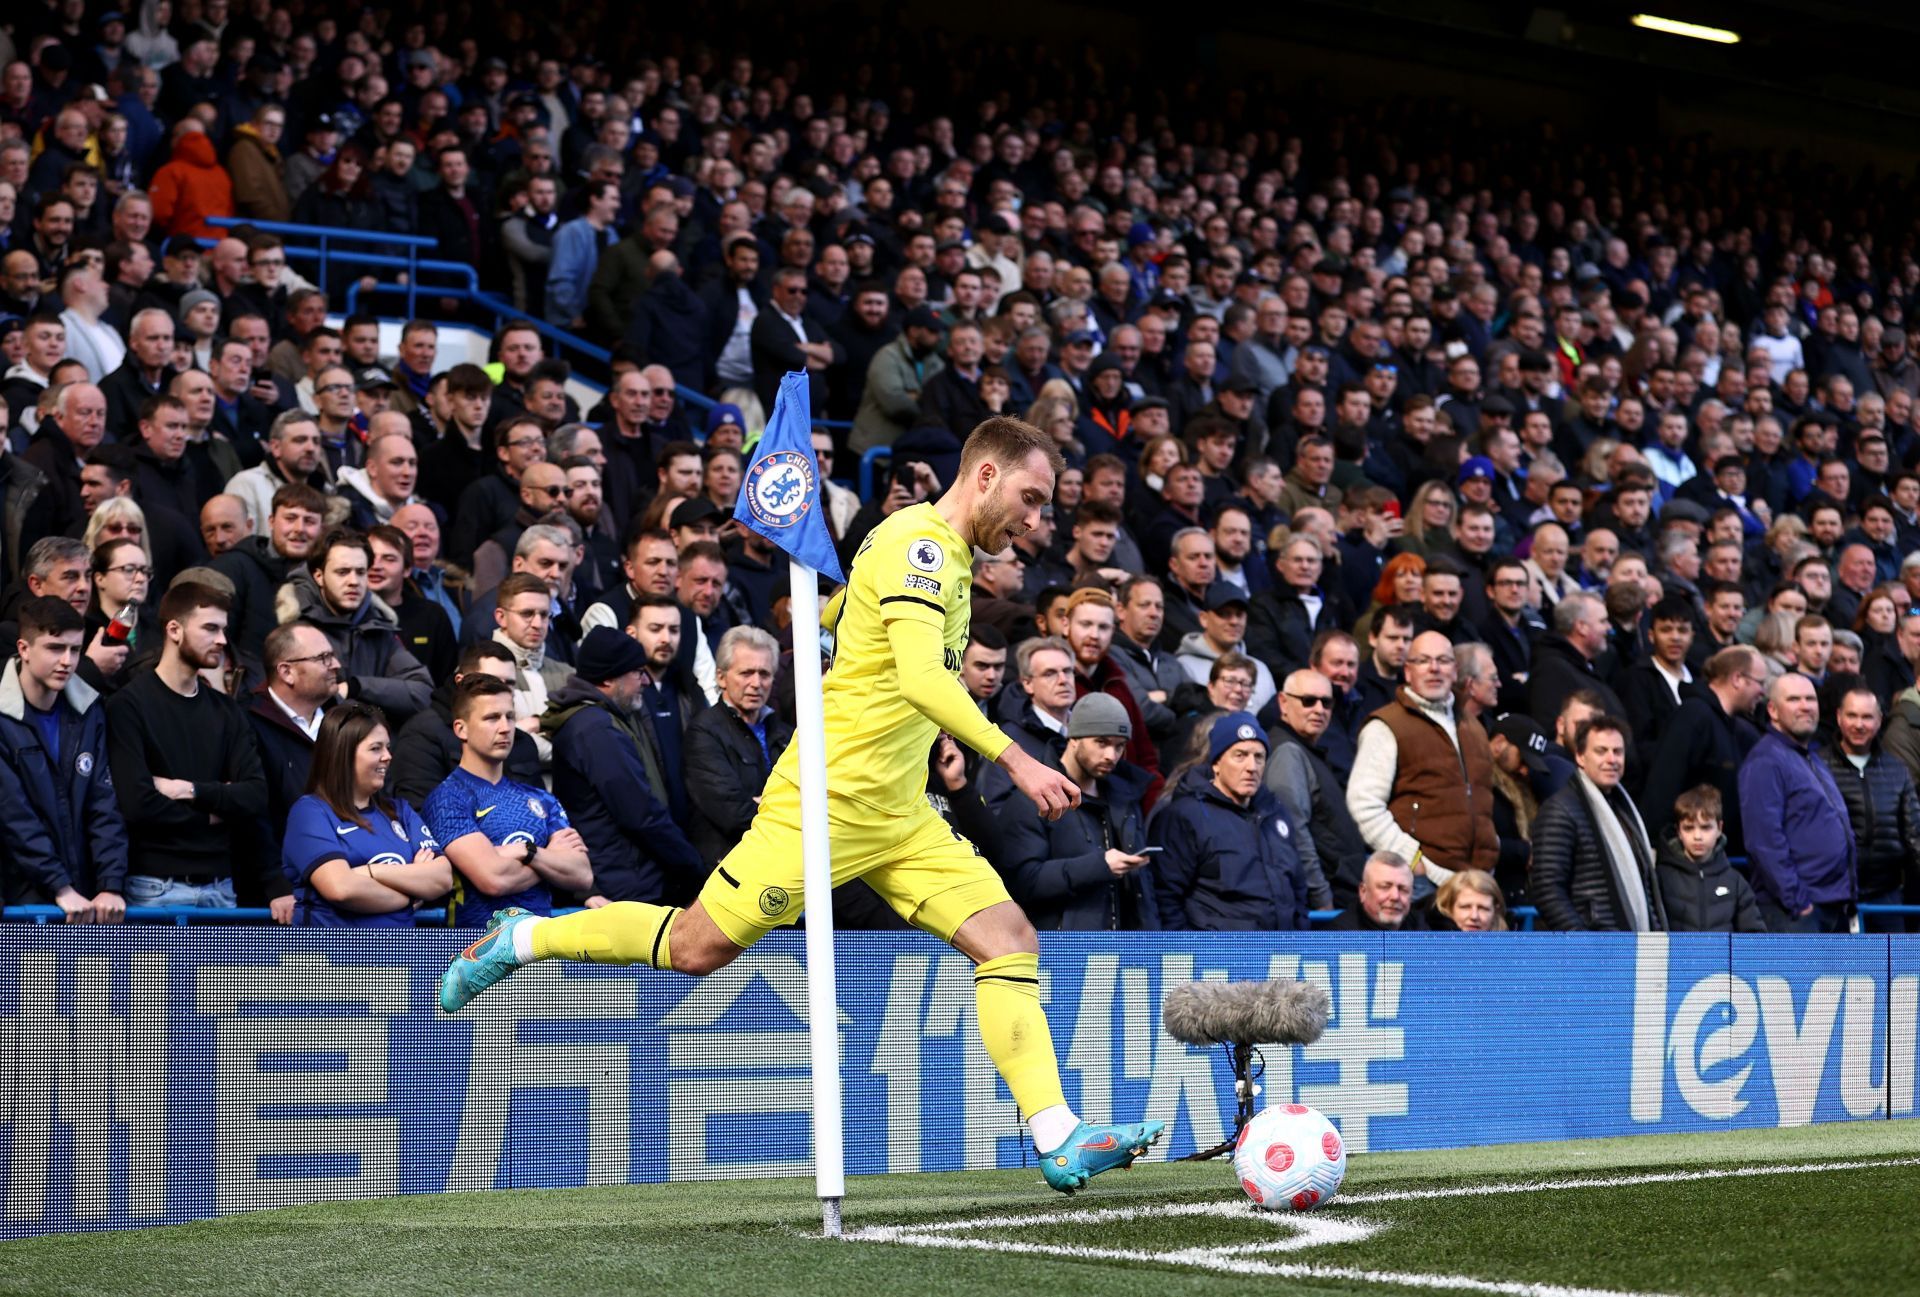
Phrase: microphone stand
[1248,1066]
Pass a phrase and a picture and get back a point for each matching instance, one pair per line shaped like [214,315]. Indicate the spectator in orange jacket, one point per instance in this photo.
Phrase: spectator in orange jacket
[191,187]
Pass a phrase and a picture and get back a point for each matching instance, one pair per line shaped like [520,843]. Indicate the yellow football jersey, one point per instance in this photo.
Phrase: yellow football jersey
[912,566]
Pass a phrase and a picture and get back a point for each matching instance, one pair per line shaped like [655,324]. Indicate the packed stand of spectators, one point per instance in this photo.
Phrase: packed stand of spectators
[1426,547]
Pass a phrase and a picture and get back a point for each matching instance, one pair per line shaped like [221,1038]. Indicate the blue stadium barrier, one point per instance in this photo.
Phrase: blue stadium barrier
[1523,917]
[874,456]
[159,1074]
[324,236]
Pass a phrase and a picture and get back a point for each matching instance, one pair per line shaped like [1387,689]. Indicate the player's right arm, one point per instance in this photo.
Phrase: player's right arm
[918,655]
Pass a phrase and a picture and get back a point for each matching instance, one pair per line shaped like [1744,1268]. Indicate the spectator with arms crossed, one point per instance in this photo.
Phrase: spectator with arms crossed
[357,857]
[509,844]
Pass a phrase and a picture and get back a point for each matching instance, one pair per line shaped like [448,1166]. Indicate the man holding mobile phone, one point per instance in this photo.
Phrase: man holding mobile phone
[1086,871]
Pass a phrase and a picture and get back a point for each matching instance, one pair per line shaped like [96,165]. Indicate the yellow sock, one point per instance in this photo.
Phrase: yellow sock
[625,932]
[1006,992]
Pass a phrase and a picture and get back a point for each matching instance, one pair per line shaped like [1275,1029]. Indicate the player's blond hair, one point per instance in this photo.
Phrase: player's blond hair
[1007,442]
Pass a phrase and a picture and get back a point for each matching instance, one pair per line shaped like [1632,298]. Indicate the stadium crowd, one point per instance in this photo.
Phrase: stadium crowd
[1429,544]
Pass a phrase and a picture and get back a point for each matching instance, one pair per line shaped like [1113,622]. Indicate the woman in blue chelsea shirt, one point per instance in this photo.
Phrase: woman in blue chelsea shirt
[356,857]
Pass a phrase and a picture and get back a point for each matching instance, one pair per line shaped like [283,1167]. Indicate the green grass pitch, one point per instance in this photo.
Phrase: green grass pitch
[1828,1209]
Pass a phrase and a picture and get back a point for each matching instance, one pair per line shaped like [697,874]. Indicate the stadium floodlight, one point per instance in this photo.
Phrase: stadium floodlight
[1696,31]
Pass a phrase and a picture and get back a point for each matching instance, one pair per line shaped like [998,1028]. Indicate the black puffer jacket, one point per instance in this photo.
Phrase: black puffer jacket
[1058,871]
[1560,670]
[1885,814]
[1570,879]
[1707,895]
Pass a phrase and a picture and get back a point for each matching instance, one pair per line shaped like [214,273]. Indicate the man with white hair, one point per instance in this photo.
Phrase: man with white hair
[59,449]
[731,746]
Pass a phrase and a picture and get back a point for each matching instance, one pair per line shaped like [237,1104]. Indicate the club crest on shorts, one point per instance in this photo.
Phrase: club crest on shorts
[926,554]
[780,488]
[773,902]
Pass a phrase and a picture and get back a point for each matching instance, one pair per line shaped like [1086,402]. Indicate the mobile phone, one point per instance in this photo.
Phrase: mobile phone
[1391,508]
[1149,851]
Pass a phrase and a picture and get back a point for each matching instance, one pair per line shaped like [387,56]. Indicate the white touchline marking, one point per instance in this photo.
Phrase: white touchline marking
[1309,1230]
[1615,1181]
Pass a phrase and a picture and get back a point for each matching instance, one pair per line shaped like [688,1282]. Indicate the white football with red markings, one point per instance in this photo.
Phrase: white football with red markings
[1290,1158]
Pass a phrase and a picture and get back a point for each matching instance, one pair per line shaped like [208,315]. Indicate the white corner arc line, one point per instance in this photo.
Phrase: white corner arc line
[1241,1259]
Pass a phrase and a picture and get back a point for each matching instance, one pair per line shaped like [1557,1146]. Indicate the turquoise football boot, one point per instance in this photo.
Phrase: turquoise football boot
[483,963]
[1093,1149]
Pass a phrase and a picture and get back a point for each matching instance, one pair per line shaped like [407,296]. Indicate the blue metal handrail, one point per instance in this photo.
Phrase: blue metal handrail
[875,455]
[413,264]
[327,234]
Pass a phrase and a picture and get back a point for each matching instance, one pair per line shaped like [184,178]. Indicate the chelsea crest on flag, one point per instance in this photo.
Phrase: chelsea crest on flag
[780,496]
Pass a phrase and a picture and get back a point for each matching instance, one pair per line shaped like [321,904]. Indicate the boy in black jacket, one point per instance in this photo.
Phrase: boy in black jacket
[1702,890]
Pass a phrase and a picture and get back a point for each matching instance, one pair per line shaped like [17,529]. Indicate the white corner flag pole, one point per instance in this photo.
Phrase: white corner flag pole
[823,1011]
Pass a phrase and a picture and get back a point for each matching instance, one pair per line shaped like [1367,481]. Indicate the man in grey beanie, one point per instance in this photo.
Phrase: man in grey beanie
[1085,871]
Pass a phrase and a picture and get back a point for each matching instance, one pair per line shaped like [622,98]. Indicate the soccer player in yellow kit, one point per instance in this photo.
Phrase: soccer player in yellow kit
[900,628]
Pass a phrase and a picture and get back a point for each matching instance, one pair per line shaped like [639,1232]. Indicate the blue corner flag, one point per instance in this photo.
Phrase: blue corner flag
[782,496]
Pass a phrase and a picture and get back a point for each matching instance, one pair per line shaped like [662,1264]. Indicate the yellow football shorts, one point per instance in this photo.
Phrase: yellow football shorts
[931,876]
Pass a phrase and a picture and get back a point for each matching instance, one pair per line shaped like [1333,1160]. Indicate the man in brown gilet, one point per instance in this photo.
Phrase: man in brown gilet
[1422,782]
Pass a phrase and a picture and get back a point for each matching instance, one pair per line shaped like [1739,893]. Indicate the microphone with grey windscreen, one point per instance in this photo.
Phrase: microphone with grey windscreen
[1243,1016]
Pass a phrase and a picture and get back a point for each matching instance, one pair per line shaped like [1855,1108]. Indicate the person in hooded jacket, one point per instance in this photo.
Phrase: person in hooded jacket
[191,187]
[1084,871]
[1108,414]
[1702,890]
[638,853]
[1227,859]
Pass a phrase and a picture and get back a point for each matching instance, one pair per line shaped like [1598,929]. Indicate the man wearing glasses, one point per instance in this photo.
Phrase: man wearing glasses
[333,403]
[543,488]
[1332,852]
[490,501]
[303,677]
[784,338]
[1422,783]
[842,504]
